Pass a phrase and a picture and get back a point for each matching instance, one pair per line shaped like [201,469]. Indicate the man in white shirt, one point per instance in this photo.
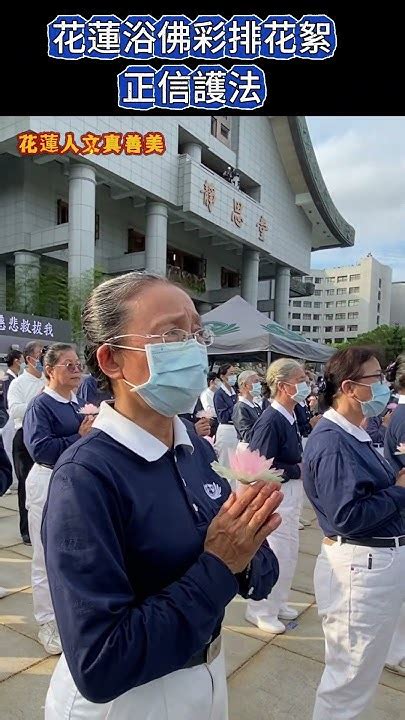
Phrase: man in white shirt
[22,390]
[207,395]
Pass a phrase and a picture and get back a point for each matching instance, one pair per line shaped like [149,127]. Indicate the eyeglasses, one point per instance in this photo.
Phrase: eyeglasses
[378,377]
[71,366]
[203,336]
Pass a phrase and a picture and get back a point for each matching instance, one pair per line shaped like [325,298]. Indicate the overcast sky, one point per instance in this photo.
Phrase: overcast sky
[363,163]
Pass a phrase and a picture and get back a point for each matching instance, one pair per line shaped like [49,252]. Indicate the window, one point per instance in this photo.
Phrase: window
[352,315]
[136,241]
[378,307]
[340,316]
[317,304]
[62,212]
[379,282]
[315,328]
[295,328]
[229,278]
[330,280]
[318,280]
[352,303]
[318,293]
[379,294]
[341,303]
[354,290]
[354,277]
[329,304]
[221,128]
[342,278]
[309,279]
[328,341]
[307,304]
[338,340]
[306,328]
[97,227]
[341,291]
[340,328]
[317,316]
[378,319]
[330,292]
[296,316]
[289,314]
[329,316]
[329,329]
[352,328]
[296,303]
[307,316]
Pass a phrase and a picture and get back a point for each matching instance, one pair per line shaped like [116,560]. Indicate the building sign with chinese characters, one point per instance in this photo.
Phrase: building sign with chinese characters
[18,329]
[236,215]
[131,143]
[208,193]
[262,227]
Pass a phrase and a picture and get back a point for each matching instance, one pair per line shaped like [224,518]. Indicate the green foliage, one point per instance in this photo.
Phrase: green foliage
[389,338]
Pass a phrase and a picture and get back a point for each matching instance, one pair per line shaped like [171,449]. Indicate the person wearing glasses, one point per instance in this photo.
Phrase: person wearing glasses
[51,424]
[144,543]
[360,504]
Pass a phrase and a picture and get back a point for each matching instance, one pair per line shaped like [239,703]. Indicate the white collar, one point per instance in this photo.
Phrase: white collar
[11,372]
[28,376]
[357,432]
[246,401]
[134,437]
[58,397]
[281,409]
[401,400]
[228,392]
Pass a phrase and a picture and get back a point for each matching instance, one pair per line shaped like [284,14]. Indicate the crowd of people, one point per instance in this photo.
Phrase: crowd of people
[139,545]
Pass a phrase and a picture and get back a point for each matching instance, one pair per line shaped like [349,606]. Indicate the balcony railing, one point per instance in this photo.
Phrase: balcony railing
[188,280]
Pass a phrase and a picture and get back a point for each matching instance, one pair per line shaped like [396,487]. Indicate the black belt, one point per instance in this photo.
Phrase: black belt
[207,654]
[372,542]
[50,467]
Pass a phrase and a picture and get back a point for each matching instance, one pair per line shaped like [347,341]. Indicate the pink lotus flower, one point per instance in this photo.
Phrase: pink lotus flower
[248,467]
[400,449]
[209,413]
[89,409]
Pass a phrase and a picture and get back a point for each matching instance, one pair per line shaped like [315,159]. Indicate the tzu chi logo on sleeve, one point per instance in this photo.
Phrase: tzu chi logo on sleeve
[213,490]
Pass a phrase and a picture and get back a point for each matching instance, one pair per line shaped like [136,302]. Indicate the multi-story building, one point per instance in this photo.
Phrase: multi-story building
[347,302]
[397,316]
[172,213]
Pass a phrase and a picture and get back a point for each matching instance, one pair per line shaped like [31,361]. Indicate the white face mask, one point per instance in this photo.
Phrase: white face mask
[232,380]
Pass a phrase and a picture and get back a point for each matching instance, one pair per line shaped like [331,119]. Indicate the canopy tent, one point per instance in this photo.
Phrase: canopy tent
[240,328]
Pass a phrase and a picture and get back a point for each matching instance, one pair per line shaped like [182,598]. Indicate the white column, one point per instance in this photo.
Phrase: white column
[82,209]
[26,268]
[2,286]
[281,301]
[250,276]
[194,150]
[156,238]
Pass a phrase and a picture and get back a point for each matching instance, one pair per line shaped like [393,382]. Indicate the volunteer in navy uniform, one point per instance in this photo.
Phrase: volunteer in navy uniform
[395,434]
[6,477]
[360,502]
[224,401]
[246,412]
[89,392]
[51,424]
[276,435]
[142,551]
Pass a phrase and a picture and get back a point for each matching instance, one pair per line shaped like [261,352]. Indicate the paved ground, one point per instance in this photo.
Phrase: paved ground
[270,678]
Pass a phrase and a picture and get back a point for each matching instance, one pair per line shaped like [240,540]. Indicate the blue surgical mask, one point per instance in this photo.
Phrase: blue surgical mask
[178,375]
[38,366]
[302,392]
[379,399]
[256,388]
[232,380]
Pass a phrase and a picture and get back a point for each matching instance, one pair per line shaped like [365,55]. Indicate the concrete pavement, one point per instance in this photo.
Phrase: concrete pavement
[269,677]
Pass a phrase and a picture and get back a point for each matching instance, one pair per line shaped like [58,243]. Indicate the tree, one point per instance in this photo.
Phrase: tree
[389,338]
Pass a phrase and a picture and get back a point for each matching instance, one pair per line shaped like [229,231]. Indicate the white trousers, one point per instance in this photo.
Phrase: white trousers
[360,607]
[36,493]
[197,693]
[285,544]
[226,439]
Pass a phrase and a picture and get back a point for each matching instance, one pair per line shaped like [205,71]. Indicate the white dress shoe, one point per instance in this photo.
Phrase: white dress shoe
[267,623]
[287,613]
[397,669]
[48,636]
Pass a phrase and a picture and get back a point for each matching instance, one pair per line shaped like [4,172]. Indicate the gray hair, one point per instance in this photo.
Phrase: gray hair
[105,314]
[244,376]
[400,373]
[280,371]
[31,347]
[52,355]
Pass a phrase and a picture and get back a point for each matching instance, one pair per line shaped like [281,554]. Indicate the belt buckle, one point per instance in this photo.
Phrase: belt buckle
[214,649]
